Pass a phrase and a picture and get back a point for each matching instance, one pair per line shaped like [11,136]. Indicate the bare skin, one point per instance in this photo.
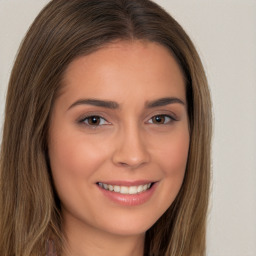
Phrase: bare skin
[121,121]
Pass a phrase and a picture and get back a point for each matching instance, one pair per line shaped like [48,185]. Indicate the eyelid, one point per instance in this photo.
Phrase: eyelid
[86,114]
[172,119]
[82,119]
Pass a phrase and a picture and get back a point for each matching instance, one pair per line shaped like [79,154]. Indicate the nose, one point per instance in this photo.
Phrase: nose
[131,149]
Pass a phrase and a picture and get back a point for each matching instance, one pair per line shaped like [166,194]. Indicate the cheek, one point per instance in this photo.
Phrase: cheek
[172,152]
[172,159]
[74,159]
[175,156]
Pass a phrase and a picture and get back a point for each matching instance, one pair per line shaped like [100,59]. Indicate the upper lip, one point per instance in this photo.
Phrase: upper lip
[127,183]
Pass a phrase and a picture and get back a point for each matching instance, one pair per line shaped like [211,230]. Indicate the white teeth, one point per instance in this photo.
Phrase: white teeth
[140,188]
[124,190]
[131,190]
[117,188]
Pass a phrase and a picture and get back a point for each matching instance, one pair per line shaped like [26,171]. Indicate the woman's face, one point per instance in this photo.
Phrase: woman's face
[119,138]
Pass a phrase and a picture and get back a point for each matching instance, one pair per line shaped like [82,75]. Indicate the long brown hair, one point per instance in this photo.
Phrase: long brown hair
[29,207]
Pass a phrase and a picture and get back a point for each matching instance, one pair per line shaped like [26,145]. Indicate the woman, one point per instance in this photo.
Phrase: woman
[106,142]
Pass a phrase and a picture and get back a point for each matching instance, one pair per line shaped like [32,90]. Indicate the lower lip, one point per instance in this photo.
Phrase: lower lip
[129,200]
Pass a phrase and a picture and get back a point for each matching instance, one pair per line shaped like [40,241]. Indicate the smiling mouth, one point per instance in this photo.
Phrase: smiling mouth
[126,190]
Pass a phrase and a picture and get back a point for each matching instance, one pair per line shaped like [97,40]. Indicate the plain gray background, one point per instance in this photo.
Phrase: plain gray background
[224,33]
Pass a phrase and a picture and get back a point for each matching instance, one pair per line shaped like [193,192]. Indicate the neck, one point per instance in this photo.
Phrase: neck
[87,241]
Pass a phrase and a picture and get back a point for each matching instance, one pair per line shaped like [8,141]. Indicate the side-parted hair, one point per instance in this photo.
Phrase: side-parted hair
[30,215]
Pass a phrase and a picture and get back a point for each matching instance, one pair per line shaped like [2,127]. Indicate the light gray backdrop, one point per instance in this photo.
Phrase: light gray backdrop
[224,32]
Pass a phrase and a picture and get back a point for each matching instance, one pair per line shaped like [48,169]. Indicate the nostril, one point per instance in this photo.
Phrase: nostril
[123,164]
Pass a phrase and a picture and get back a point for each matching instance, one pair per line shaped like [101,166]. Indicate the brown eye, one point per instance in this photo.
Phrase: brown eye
[94,121]
[161,119]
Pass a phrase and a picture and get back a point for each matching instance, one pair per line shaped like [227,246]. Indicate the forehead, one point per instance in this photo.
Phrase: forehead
[125,66]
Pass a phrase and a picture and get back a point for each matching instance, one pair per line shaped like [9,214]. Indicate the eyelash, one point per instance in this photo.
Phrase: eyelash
[86,119]
[171,119]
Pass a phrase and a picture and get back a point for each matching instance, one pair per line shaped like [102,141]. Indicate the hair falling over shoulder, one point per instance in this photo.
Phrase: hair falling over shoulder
[30,214]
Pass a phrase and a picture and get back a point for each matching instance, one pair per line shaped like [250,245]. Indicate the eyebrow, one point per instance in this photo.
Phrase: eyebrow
[114,105]
[163,102]
[96,102]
